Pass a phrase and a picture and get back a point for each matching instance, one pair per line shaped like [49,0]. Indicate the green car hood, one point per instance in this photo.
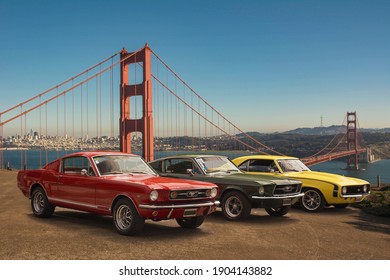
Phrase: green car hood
[249,179]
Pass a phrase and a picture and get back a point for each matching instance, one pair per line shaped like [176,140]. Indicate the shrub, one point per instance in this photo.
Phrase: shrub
[377,203]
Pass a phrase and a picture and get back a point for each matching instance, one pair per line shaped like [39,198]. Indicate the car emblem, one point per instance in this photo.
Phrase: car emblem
[288,188]
[192,194]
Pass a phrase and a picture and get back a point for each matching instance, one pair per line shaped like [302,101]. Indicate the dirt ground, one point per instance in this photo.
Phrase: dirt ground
[71,235]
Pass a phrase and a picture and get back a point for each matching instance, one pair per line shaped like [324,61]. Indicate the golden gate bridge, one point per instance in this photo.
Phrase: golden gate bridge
[154,103]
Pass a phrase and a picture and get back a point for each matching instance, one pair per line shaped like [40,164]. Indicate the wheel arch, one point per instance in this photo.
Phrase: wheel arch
[34,186]
[319,190]
[120,196]
[231,188]
[310,187]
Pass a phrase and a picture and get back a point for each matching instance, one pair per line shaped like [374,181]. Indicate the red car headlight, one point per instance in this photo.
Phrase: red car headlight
[212,192]
[153,195]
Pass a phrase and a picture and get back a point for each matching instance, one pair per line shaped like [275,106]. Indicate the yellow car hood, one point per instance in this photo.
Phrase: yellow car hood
[335,179]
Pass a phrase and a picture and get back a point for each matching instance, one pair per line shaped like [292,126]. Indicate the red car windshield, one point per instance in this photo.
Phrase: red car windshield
[121,164]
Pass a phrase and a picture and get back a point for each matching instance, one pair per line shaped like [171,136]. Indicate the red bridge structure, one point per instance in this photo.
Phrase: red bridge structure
[154,113]
[352,147]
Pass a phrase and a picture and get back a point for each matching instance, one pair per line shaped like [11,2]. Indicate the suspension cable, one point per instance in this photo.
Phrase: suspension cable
[58,85]
[330,140]
[188,106]
[225,119]
[66,91]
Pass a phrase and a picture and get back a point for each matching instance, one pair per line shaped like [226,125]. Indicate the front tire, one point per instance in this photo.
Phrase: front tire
[313,200]
[278,212]
[192,222]
[236,206]
[126,219]
[40,205]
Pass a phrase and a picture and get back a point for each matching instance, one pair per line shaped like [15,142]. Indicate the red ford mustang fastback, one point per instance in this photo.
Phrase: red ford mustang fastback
[117,184]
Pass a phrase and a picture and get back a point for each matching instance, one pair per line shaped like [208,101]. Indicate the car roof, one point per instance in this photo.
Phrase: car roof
[188,156]
[99,153]
[270,157]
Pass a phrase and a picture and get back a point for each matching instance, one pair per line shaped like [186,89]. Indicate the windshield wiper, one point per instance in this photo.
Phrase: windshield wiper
[226,171]
[139,172]
[112,172]
[215,171]
[232,170]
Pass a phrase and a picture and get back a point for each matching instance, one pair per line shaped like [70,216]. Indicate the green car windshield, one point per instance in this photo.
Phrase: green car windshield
[216,164]
[292,165]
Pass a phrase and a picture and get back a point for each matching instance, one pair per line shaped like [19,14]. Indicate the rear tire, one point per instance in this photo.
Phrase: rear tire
[192,222]
[278,212]
[40,205]
[126,219]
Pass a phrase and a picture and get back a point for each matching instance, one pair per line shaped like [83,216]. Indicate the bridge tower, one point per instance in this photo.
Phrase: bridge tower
[352,140]
[144,89]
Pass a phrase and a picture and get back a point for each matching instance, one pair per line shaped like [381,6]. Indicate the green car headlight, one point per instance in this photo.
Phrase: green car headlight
[261,190]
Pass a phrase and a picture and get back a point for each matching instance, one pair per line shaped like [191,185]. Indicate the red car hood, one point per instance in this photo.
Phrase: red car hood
[157,182]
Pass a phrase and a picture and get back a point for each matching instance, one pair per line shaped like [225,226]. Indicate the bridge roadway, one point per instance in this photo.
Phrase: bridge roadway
[332,234]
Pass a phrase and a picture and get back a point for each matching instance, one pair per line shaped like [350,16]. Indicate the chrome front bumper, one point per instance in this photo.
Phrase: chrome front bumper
[174,206]
[278,197]
[358,197]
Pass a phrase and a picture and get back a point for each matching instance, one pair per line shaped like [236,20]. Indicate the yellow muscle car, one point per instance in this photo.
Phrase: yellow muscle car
[320,189]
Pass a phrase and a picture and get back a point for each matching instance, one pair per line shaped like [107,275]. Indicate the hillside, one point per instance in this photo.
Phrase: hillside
[294,144]
[334,129]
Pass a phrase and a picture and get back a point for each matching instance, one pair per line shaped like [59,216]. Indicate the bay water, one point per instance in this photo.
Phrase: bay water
[34,159]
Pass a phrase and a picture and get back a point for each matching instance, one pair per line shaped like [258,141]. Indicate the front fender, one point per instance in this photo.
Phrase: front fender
[329,191]
[230,188]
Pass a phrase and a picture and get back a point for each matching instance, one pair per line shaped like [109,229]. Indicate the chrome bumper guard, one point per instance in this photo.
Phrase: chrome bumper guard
[354,195]
[278,197]
[174,206]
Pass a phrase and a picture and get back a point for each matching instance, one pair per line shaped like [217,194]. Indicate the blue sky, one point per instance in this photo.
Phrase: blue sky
[266,65]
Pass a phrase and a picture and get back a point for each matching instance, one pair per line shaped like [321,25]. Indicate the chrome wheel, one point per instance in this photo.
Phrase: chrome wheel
[236,206]
[126,219]
[313,200]
[123,217]
[38,203]
[233,206]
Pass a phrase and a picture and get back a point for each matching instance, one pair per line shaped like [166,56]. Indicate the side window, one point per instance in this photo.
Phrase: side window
[244,166]
[179,166]
[74,165]
[157,166]
[260,165]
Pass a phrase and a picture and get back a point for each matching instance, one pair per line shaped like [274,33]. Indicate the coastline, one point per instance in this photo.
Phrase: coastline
[19,158]
[14,149]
